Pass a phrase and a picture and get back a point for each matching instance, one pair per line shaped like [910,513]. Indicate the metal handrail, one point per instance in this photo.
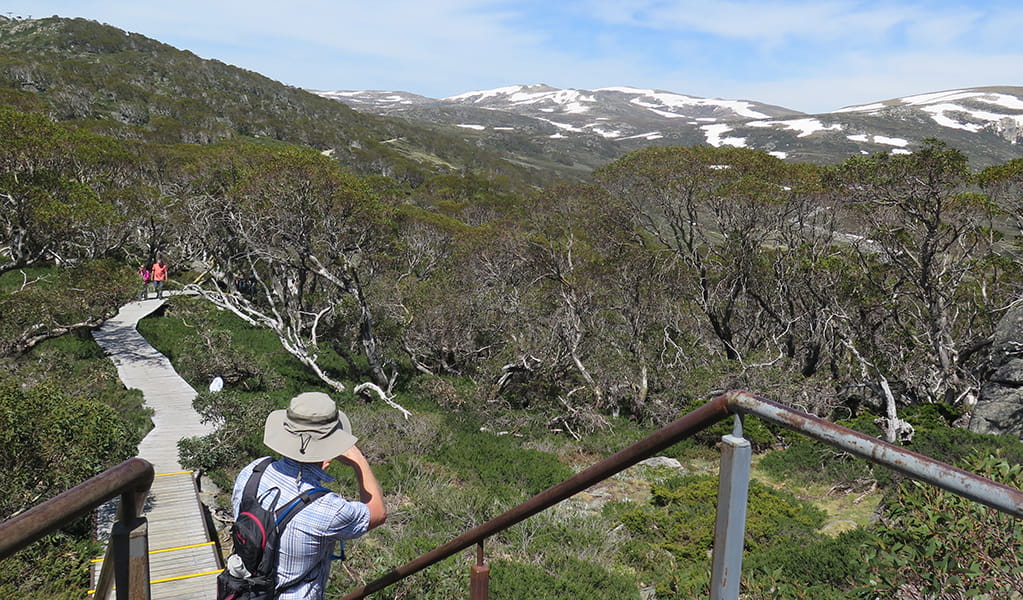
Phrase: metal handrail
[131,479]
[963,483]
[996,495]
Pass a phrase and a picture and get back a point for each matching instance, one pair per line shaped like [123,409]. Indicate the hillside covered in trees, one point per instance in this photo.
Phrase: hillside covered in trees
[129,86]
[477,300]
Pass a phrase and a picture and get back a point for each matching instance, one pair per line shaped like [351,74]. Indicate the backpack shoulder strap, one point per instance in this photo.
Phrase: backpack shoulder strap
[252,485]
[290,510]
[284,516]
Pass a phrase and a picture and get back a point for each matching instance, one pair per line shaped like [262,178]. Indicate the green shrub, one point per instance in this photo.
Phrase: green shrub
[567,579]
[776,585]
[809,462]
[815,561]
[50,443]
[239,418]
[936,544]
[931,415]
[682,512]
[954,445]
[54,567]
[57,298]
[500,464]
[74,365]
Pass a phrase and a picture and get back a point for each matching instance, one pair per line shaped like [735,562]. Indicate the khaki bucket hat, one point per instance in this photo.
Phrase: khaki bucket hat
[311,429]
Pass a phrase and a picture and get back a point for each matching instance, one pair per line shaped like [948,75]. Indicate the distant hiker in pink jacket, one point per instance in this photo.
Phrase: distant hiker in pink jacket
[144,275]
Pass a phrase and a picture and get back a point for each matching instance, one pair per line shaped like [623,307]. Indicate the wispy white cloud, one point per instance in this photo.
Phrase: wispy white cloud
[769,23]
[811,56]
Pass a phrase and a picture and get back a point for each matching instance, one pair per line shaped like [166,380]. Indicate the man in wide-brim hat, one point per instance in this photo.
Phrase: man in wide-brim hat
[309,435]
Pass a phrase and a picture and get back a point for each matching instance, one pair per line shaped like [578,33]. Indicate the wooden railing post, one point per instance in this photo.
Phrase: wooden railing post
[131,559]
[130,506]
[479,577]
[131,479]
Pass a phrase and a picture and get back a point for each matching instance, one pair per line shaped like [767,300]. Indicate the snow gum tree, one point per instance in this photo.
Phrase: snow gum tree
[60,192]
[923,243]
[716,210]
[293,243]
[609,306]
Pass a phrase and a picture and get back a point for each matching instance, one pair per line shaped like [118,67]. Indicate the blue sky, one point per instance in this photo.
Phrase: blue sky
[813,56]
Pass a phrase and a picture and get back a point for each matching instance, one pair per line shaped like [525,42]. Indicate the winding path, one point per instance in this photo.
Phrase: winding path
[184,561]
[141,367]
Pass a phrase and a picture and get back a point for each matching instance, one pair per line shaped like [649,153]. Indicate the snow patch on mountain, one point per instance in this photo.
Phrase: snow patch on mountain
[649,136]
[568,101]
[805,127]
[715,135]
[1004,100]
[668,105]
[958,117]
[372,97]
[565,126]
[665,103]
[878,139]
[968,110]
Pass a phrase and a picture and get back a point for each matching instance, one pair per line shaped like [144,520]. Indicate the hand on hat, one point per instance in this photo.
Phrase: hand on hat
[369,488]
[352,457]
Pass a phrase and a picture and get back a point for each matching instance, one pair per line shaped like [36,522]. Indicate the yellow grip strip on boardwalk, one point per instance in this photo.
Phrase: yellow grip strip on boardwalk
[179,577]
[173,473]
[99,560]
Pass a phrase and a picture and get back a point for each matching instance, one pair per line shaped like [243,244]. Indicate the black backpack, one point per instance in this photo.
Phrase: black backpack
[256,534]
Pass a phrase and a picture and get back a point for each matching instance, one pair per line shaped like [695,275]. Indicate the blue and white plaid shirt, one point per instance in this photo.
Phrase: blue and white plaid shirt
[311,537]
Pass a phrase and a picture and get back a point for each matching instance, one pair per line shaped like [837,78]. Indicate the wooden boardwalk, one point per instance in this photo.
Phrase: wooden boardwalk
[183,560]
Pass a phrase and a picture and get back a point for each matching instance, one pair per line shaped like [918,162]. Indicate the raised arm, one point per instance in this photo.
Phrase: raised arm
[369,488]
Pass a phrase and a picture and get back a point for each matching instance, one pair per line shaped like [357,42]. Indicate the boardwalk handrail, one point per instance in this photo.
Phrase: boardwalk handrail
[131,480]
[969,485]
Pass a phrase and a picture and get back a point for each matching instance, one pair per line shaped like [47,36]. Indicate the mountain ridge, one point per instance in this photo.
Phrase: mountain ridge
[986,122]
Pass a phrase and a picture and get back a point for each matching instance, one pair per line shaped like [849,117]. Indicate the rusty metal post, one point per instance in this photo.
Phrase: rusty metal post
[479,577]
[730,530]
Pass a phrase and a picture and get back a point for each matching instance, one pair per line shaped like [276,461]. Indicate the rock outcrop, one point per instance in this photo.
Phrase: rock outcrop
[1000,405]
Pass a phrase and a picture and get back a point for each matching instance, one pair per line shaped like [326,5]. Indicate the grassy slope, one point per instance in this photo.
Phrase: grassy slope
[447,470]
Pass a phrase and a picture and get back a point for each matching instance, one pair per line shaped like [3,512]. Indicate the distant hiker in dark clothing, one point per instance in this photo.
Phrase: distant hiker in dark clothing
[159,277]
[245,286]
[144,275]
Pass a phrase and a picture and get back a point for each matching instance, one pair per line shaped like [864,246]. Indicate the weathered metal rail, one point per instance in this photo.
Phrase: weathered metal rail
[128,552]
[733,488]
[1001,497]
